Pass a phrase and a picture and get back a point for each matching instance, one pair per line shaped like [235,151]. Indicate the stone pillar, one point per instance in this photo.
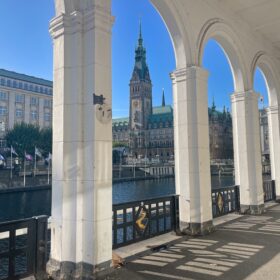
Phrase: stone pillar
[192,158]
[12,110]
[81,231]
[247,151]
[274,146]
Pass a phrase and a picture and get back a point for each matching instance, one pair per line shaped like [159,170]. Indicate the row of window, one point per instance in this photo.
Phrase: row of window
[26,86]
[19,98]
[20,114]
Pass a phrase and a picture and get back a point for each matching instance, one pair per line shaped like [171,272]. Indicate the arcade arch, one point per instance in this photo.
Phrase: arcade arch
[265,65]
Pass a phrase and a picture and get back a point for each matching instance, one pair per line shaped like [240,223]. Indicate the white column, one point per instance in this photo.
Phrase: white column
[81,242]
[274,146]
[11,109]
[41,112]
[247,151]
[27,108]
[192,158]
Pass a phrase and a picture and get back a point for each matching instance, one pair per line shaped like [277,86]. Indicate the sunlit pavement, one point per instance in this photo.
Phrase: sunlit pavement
[246,248]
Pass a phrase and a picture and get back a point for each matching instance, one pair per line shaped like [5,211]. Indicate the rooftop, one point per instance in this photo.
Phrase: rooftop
[25,78]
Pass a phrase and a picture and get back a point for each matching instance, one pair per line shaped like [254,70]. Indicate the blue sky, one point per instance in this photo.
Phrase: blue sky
[26,47]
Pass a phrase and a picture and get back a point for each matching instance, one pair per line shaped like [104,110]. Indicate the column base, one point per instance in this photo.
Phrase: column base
[76,271]
[197,229]
[252,209]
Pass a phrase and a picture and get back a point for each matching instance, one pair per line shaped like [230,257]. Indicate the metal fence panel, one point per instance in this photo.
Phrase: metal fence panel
[139,220]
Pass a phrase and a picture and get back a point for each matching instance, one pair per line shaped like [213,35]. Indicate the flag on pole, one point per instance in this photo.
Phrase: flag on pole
[49,157]
[38,152]
[28,157]
[13,151]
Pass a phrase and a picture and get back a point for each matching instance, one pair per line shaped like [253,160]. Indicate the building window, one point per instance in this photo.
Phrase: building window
[8,83]
[47,103]
[34,115]
[20,85]
[46,90]
[19,113]
[3,95]
[15,84]
[36,88]
[25,86]
[47,117]
[19,98]
[41,90]
[3,82]
[34,101]
[3,111]
[31,87]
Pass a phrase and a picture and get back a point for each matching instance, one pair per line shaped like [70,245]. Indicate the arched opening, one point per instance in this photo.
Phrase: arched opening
[142,102]
[260,86]
[220,85]
[264,84]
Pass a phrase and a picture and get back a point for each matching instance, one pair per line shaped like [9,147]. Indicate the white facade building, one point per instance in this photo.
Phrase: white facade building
[24,99]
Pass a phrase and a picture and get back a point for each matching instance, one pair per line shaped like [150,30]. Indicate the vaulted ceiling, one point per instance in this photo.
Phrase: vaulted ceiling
[262,15]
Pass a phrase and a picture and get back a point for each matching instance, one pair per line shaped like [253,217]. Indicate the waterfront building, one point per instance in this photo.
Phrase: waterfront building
[24,98]
[149,132]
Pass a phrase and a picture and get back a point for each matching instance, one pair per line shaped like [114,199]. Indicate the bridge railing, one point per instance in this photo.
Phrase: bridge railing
[23,248]
[269,190]
[139,220]
[225,200]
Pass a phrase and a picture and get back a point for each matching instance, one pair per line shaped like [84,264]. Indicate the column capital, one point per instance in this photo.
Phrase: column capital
[187,73]
[77,21]
[272,110]
[244,95]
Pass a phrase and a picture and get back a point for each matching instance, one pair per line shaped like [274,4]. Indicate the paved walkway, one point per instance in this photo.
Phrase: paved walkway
[246,248]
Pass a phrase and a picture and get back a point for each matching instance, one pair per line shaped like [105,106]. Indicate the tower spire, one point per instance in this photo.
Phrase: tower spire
[163,99]
[213,104]
[140,40]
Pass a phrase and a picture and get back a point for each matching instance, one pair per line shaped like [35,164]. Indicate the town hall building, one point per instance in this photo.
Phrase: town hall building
[148,131]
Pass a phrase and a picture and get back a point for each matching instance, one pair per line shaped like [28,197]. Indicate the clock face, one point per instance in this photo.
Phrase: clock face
[103,113]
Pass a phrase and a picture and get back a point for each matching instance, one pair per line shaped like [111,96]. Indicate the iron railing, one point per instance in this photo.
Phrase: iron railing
[269,190]
[23,248]
[225,201]
[139,220]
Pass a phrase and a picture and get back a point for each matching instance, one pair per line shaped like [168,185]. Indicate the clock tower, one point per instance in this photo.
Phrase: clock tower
[140,97]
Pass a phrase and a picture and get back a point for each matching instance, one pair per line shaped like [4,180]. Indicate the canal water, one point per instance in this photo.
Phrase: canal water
[145,189]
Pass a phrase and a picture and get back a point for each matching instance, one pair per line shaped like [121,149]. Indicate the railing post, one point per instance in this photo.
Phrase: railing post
[273,190]
[237,198]
[41,247]
[176,218]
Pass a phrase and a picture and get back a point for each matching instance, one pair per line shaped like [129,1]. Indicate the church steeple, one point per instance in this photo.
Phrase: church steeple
[163,99]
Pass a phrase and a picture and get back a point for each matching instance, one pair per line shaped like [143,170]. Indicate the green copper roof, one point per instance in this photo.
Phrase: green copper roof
[162,114]
[141,70]
[25,78]
[162,110]
[120,121]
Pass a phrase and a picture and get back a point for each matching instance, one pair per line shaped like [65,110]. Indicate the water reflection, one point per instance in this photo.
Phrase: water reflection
[145,189]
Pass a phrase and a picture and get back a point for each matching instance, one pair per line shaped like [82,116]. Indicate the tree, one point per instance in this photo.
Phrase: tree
[45,141]
[24,137]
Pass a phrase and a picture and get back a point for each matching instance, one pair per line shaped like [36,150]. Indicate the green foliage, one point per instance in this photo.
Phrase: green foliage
[24,137]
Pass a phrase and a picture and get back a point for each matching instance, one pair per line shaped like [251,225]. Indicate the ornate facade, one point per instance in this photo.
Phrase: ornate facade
[148,131]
